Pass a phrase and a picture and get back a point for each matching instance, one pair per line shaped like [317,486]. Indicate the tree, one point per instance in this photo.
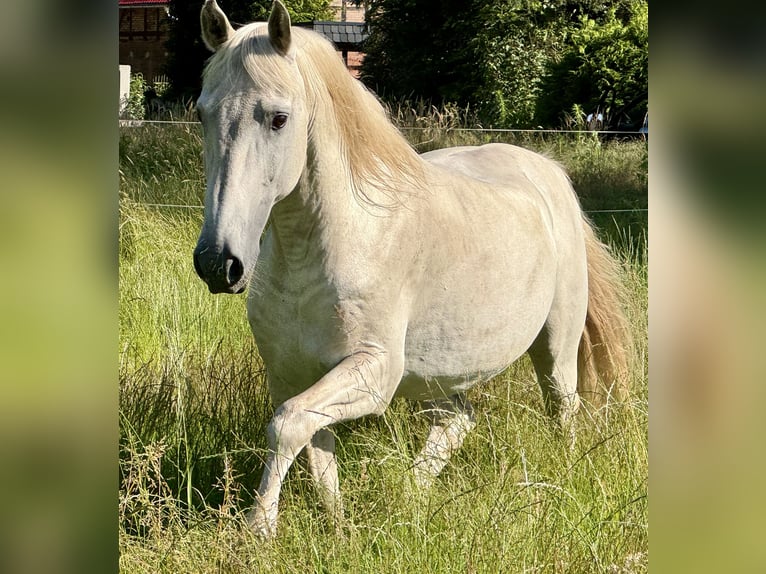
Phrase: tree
[187,53]
[492,55]
[418,51]
[512,49]
[519,43]
[299,10]
[604,69]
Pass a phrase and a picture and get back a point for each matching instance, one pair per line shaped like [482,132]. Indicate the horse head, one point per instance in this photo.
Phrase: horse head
[255,124]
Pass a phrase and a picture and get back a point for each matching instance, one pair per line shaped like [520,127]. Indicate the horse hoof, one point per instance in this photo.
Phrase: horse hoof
[261,526]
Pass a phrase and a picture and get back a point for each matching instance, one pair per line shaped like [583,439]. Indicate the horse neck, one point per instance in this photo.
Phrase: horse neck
[315,219]
[337,206]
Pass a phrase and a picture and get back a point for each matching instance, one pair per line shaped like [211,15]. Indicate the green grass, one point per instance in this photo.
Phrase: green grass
[193,410]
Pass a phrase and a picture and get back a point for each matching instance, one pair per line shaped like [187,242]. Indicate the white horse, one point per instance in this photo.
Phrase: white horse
[384,273]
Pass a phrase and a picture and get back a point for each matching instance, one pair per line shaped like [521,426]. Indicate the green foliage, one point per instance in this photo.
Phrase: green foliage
[299,10]
[134,106]
[604,68]
[417,51]
[186,51]
[496,55]
[512,50]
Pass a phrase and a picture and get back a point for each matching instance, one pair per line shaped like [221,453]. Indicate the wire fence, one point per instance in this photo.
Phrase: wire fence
[141,123]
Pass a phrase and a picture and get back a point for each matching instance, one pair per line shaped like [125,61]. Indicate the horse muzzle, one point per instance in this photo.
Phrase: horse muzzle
[222,271]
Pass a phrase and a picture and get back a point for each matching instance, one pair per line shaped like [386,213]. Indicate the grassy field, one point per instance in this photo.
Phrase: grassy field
[193,410]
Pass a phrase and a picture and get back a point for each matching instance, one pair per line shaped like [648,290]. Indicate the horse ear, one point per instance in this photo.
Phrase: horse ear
[215,25]
[279,28]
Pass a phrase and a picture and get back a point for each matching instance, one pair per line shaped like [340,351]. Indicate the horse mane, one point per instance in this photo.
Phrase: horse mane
[380,160]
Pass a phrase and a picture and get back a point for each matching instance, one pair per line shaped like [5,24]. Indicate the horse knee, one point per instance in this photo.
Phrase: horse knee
[287,432]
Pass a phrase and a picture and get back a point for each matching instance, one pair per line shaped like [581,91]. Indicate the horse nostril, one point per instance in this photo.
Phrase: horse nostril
[220,269]
[234,270]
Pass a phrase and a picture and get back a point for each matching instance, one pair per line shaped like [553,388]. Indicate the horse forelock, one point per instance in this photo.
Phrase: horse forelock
[381,163]
[249,52]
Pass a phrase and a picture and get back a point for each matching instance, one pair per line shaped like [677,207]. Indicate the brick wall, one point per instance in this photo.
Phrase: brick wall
[143,33]
[353,13]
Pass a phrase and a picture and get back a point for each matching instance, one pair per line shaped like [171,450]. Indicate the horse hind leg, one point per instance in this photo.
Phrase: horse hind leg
[554,356]
[451,420]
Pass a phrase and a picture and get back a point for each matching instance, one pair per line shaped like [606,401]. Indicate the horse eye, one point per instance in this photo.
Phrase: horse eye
[278,122]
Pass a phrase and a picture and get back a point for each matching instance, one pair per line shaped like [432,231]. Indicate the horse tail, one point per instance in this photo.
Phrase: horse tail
[606,347]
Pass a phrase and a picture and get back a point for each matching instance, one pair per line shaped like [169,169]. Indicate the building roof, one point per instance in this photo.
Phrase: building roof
[143,2]
[343,34]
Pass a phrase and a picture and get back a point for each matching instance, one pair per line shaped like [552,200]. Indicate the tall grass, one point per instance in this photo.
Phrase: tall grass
[193,409]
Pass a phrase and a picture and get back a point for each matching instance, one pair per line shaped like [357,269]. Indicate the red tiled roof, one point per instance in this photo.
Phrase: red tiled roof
[144,2]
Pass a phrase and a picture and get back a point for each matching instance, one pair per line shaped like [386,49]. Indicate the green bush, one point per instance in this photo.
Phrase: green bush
[604,69]
[134,105]
[516,64]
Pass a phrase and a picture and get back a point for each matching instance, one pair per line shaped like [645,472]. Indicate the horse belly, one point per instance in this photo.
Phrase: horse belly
[447,366]
[471,338]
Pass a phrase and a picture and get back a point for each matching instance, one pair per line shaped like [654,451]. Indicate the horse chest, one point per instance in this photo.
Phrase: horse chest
[301,330]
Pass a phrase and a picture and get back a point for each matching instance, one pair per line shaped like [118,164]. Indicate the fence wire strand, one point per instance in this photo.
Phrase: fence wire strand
[140,123]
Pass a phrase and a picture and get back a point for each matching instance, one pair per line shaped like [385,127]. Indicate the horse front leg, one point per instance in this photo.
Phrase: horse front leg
[324,469]
[361,384]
